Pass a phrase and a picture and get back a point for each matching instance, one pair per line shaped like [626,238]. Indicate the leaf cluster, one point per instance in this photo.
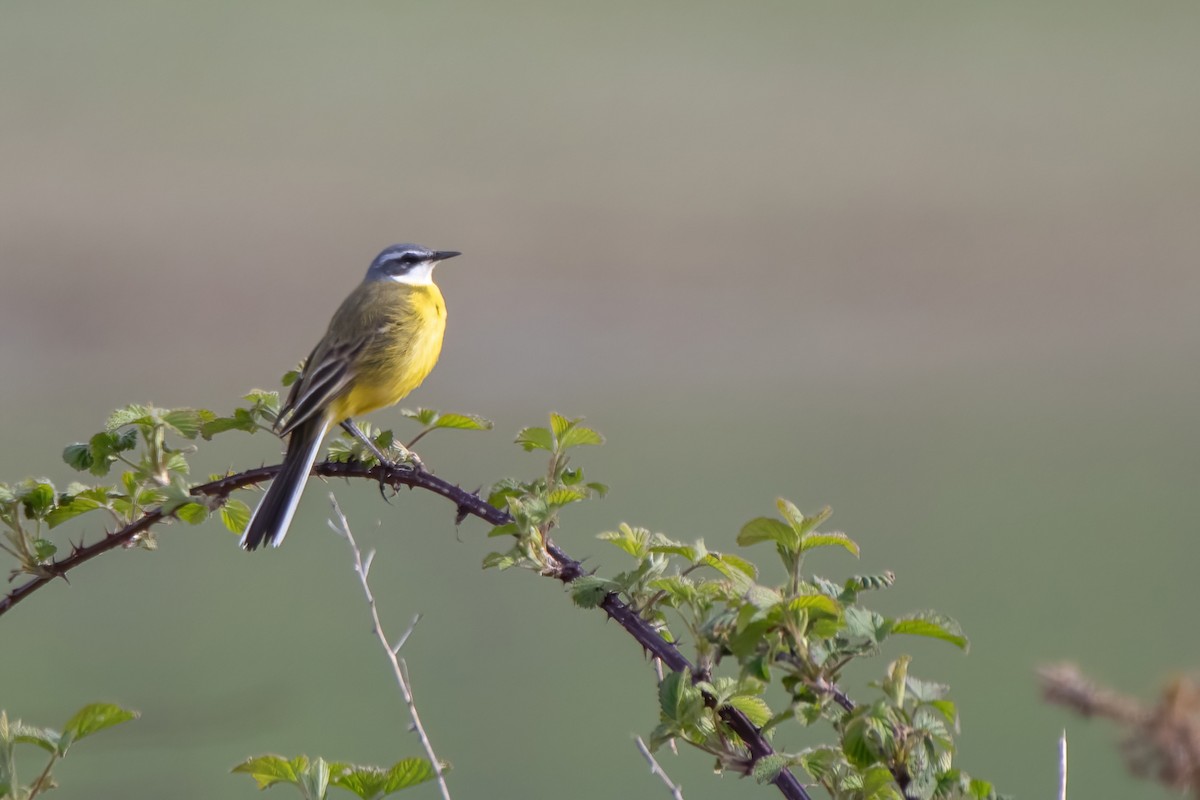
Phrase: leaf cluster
[748,635]
[313,779]
[83,723]
[148,449]
[534,505]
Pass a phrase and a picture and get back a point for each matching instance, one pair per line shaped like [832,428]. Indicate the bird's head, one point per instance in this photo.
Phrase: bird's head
[407,263]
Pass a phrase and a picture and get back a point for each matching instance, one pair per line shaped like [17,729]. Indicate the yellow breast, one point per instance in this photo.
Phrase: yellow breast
[408,323]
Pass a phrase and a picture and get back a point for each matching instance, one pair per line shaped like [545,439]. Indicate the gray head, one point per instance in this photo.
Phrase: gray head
[407,263]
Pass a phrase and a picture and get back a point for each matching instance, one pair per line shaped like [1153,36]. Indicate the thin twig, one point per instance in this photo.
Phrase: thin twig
[675,789]
[363,569]
[1062,766]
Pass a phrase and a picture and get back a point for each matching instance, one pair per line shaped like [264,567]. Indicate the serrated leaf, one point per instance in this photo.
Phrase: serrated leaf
[679,590]
[44,550]
[676,549]
[810,541]
[632,540]
[560,424]
[926,691]
[814,602]
[565,496]
[579,435]
[767,768]
[755,708]
[798,520]
[933,625]
[78,456]
[242,420]
[589,591]
[425,416]
[270,770]
[93,718]
[192,513]
[866,623]
[235,516]
[372,782]
[463,422]
[768,529]
[46,738]
[821,762]
[535,439]
[500,561]
[128,415]
[187,422]
[37,498]
[743,566]
[76,506]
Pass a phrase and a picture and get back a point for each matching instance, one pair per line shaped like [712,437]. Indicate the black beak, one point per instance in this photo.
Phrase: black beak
[442,255]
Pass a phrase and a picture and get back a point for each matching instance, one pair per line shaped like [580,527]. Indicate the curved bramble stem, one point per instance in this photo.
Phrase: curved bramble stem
[566,570]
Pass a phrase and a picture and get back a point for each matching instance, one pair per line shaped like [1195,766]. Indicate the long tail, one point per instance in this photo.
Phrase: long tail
[271,519]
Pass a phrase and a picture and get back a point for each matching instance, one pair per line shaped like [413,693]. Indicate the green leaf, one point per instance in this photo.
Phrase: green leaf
[565,496]
[91,719]
[78,456]
[767,768]
[263,398]
[673,693]
[235,515]
[463,422]
[932,625]
[37,498]
[866,623]
[797,520]
[676,549]
[814,602]
[79,504]
[632,540]
[535,439]
[372,782]
[755,708]
[822,763]
[579,435]
[129,415]
[192,513]
[44,550]
[242,420]
[560,424]
[768,529]
[589,591]
[188,422]
[500,561]
[425,416]
[743,566]
[46,738]
[812,540]
[270,770]
[981,790]
[314,781]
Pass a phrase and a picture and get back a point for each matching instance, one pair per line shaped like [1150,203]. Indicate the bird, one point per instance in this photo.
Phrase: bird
[381,344]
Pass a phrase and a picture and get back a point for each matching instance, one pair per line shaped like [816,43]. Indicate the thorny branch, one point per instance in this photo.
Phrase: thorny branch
[467,504]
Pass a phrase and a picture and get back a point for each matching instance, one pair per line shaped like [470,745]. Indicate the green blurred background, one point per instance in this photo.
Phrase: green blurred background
[934,264]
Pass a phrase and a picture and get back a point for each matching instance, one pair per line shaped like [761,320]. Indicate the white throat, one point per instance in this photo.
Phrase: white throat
[419,275]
